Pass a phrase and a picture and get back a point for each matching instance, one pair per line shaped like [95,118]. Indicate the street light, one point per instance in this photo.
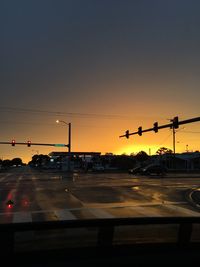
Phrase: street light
[69,139]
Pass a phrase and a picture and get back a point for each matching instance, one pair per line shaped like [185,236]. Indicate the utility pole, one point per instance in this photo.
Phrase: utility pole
[187,149]
[149,151]
[69,146]
[174,139]
[174,126]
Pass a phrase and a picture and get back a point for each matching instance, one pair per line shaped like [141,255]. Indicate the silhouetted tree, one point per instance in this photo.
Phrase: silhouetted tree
[163,150]
[16,161]
[39,160]
[142,156]
[6,163]
[34,160]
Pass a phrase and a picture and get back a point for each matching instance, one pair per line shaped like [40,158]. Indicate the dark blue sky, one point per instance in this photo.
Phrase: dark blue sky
[101,56]
[46,44]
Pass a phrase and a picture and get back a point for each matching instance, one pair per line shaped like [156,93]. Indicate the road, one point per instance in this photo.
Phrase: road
[44,195]
[49,196]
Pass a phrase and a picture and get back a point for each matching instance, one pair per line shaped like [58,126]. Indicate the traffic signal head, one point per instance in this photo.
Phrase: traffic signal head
[140,131]
[155,127]
[13,142]
[175,122]
[127,134]
[28,143]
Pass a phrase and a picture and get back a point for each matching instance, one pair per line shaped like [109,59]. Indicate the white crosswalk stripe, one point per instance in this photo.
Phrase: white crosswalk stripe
[146,211]
[19,217]
[64,215]
[99,213]
[137,211]
[182,211]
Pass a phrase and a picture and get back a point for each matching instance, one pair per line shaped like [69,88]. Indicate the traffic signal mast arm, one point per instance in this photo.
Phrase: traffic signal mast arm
[150,129]
[189,121]
[32,144]
[169,125]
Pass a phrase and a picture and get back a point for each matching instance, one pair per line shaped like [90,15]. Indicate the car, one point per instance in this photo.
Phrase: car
[98,168]
[135,170]
[154,169]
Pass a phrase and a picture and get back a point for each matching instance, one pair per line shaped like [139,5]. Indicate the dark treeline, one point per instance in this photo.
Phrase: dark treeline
[13,162]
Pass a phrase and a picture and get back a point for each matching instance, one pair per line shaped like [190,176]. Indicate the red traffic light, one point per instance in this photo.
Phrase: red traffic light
[13,142]
[28,143]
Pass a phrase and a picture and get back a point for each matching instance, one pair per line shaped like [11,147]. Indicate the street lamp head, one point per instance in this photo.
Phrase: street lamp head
[60,121]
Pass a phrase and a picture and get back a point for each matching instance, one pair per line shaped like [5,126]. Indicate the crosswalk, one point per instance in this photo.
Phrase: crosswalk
[99,213]
[64,215]
[20,217]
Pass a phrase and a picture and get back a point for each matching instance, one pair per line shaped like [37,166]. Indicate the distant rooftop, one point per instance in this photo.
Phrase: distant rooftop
[61,153]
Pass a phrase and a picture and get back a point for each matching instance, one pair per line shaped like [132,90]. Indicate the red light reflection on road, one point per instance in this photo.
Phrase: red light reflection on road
[9,204]
[25,203]
[9,201]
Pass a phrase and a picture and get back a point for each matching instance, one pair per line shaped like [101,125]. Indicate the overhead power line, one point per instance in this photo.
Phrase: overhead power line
[62,113]
[191,132]
[8,109]
[166,138]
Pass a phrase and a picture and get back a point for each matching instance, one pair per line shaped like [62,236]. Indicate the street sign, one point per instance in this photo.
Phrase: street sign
[59,145]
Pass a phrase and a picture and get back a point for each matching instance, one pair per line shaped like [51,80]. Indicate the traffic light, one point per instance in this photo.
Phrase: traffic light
[155,127]
[13,142]
[127,134]
[140,131]
[175,122]
[28,143]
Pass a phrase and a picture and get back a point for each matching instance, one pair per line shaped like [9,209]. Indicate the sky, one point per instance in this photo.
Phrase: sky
[105,66]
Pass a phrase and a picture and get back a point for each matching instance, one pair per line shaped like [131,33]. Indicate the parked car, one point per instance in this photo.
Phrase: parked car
[154,169]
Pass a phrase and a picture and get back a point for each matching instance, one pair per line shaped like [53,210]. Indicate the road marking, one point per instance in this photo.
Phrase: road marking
[22,217]
[20,178]
[185,211]
[64,215]
[4,177]
[148,212]
[124,205]
[99,213]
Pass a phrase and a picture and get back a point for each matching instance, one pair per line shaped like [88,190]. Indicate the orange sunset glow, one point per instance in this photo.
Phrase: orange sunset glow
[99,134]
